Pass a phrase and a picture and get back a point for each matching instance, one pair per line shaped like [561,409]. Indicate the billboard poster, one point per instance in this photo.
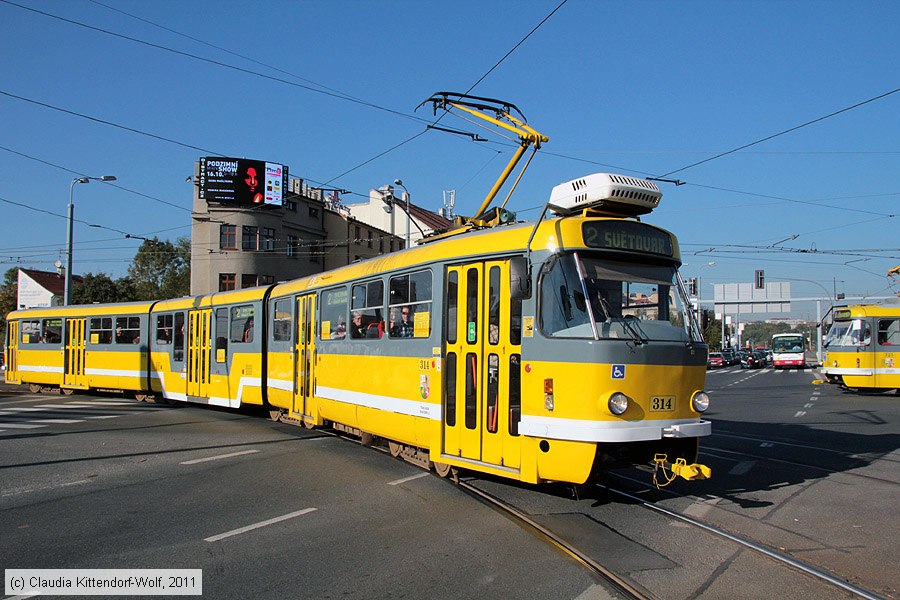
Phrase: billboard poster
[242,182]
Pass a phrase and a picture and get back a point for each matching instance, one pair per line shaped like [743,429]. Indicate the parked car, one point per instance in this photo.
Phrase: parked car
[714,360]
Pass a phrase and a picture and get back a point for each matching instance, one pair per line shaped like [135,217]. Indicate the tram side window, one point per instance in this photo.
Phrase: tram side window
[889,332]
[221,334]
[367,310]
[128,330]
[30,332]
[179,336]
[164,329]
[410,305]
[51,331]
[281,320]
[242,323]
[101,330]
[333,314]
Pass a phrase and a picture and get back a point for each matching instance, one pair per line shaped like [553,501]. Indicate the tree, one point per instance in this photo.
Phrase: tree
[161,269]
[9,294]
[101,288]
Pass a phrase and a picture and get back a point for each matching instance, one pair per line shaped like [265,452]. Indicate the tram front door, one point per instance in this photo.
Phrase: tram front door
[304,363]
[198,350]
[73,369]
[482,347]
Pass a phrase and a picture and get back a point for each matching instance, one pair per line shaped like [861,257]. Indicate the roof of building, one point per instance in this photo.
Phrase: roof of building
[51,281]
[431,219]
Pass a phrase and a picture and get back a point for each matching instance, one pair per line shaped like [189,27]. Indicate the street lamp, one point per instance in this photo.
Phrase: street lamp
[408,218]
[67,293]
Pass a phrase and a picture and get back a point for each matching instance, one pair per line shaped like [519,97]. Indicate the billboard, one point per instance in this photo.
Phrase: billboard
[242,182]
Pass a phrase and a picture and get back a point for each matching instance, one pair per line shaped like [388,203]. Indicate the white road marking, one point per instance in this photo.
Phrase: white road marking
[410,478]
[106,417]
[43,488]
[57,421]
[800,413]
[233,532]
[20,426]
[219,457]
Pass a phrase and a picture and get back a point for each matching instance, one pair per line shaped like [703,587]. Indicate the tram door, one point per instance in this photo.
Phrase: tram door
[304,355]
[199,333]
[481,369]
[12,348]
[73,371]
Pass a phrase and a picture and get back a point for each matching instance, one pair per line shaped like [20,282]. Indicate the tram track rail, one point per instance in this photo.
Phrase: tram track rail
[620,585]
[756,547]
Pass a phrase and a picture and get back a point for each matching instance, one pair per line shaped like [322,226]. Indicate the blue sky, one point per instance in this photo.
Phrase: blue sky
[640,88]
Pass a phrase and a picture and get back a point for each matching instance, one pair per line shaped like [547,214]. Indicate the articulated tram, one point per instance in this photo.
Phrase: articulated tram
[544,351]
[537,353]
[862,346]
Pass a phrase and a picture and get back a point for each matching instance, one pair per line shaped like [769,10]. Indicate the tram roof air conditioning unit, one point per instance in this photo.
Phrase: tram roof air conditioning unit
[618,195]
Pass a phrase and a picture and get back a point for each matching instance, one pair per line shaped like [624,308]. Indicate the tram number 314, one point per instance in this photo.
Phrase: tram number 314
[662,403]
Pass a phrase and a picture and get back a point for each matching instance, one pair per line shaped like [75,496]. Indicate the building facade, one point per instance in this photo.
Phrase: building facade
[237,248]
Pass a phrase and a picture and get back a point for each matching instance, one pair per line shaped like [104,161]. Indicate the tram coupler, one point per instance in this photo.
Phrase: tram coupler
[680,468]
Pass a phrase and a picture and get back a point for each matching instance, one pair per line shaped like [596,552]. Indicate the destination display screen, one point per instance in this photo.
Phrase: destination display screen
[628,236]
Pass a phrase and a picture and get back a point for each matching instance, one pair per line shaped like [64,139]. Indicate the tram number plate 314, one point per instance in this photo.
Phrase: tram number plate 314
[662,403]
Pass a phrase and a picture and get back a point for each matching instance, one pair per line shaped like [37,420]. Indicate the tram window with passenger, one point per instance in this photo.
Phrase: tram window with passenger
[242,324]
[51,331]
[221,335]
[333,314]
[586,297]
[128,330]
[164,329]
[410,305]
[367,307]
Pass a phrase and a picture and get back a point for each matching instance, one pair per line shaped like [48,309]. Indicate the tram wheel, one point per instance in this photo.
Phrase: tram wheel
[446,471]
[34,388]
[66,391]
[275,414]
[309,424]
[395,449]
[366,438]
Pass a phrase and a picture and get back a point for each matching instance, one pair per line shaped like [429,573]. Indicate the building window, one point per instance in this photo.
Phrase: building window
[226,282]
[369,238]
[291,245]
[268,241]
[356,234]
[266,279]
[313,212]
[228,237]
[249,237]
[248,280]
[381,244]
[290,205]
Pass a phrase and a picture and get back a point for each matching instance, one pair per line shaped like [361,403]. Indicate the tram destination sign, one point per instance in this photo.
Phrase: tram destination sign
[628,236]
[240,182]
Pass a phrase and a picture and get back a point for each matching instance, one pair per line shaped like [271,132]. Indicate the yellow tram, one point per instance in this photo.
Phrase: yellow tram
[538,352]
[862,346]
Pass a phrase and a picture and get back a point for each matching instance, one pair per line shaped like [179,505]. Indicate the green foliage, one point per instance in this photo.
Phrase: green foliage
[760,334]
[9,290]
[101,288]
[161,270]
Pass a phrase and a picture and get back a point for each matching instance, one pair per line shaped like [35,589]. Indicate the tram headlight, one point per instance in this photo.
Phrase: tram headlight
[700,401]
[618,403]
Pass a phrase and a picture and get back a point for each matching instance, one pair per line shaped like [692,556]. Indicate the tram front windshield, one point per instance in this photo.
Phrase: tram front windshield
[848,333]
[586,297]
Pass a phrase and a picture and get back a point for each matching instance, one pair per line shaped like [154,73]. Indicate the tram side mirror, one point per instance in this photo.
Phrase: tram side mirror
[519,279]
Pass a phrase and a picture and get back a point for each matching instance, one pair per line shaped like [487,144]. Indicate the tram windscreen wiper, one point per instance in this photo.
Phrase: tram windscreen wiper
[635,336]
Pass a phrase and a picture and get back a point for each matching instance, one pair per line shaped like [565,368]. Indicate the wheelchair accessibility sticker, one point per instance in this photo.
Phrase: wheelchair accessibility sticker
[618,371]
